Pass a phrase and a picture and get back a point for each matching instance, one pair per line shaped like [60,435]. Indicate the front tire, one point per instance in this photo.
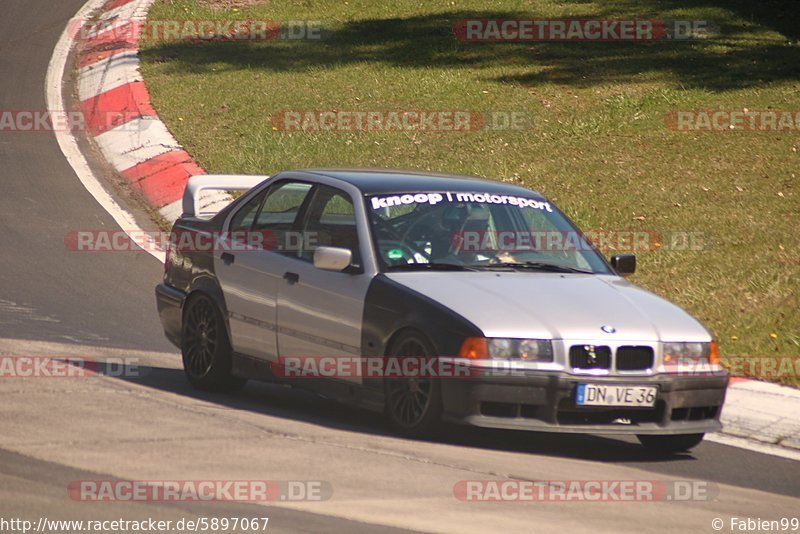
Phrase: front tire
[205,347]
[677,443]
[413,404]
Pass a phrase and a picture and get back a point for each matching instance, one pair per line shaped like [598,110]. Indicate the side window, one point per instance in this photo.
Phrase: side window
[338,210]
[243,219]
[331,222]
[277,216]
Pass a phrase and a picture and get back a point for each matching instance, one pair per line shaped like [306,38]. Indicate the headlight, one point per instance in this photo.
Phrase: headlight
[674,353]
[529,350]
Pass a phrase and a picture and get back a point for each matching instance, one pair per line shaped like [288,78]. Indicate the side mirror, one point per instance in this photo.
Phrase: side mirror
[332,258]
[624,264]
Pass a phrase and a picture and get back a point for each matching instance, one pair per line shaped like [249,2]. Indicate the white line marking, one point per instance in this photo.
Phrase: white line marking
[69,145]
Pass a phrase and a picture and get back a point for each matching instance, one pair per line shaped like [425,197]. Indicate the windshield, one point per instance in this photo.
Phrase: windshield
[476,230]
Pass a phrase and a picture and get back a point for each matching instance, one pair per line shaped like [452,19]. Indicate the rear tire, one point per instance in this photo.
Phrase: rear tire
[677,443]
[414,404]
[205,347]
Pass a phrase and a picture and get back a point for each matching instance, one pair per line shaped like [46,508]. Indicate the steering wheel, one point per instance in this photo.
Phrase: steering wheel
[395,241]
[414,224]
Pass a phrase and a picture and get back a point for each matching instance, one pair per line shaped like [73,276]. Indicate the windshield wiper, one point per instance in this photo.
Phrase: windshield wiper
[535,266]
[432,266]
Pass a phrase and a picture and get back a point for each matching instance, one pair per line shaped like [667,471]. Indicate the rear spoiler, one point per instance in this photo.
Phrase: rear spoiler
[220,183]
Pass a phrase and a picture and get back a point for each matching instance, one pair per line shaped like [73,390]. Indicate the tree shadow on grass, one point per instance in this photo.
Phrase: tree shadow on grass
[741,55]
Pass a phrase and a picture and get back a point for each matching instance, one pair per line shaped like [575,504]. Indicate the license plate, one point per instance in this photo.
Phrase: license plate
[612,395]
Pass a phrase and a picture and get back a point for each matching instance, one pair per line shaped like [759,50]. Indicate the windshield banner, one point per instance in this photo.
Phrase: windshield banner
[381,202]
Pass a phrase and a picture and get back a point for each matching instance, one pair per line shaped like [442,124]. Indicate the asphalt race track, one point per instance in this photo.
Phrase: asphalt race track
[57,302]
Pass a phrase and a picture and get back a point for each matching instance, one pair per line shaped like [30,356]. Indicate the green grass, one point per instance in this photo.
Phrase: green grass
[598,144]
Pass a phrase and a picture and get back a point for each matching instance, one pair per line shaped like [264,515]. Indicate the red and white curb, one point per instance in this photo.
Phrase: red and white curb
[118,114]
[759,416]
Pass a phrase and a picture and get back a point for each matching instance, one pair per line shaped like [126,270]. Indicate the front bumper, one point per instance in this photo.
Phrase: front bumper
[170,310]
[545,401]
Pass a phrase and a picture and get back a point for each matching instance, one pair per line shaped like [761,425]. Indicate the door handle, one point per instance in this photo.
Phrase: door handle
[228,258]
[290,277]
